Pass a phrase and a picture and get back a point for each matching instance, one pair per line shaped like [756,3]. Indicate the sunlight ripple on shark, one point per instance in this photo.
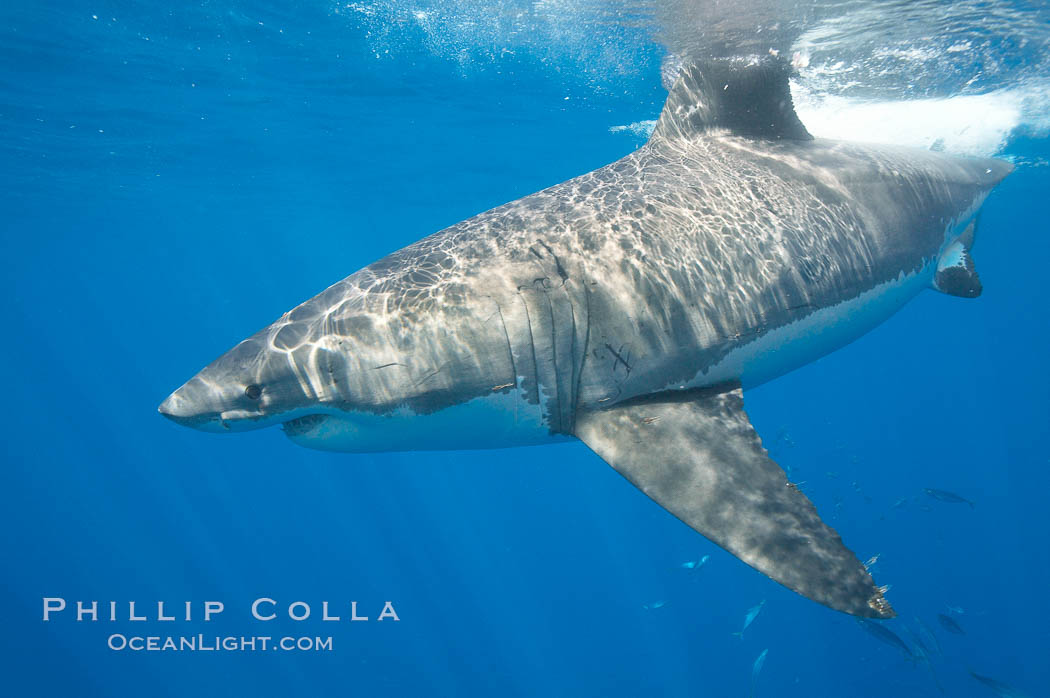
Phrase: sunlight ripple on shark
[628,308]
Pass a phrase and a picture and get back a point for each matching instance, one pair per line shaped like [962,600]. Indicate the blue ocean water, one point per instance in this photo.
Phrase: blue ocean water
[175,177]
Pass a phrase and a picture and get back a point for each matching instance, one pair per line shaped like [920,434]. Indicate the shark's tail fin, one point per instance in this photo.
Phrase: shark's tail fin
[746,96]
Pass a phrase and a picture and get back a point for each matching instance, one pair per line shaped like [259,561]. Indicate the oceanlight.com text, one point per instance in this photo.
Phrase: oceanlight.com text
[216,643]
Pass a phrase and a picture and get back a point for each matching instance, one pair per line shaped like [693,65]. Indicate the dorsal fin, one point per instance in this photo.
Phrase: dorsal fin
[744,96]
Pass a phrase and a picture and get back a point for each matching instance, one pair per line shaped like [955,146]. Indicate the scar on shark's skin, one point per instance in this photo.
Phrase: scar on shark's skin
[557,263]
[619,359]
[730,249]
[430,375]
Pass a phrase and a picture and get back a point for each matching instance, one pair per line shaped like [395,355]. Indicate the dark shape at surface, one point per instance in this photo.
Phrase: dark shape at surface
[750,99]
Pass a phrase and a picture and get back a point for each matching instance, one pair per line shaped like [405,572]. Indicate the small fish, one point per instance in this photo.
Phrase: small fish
[752,613]
[999,688]
[696,564]
[899,503]
[921,652]
[956,610]
[756,669]
[885,635]
[949,624]
[654,605]
[928,636]
[871,561]
[922,655]
[949,497]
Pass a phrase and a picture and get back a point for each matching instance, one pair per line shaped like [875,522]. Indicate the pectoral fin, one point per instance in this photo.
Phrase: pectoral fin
[697,455]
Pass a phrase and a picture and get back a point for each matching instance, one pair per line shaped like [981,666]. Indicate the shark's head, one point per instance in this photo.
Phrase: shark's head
[340,372]
[249,387]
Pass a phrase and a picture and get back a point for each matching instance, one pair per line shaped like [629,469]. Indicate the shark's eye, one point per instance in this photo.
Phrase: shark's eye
[253,391]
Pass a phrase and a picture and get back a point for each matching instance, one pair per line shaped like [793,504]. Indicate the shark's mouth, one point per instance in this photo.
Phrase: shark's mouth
[301,426]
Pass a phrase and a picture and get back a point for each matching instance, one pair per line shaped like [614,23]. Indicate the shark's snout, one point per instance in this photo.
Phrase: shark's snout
[194,405]
[175,408]
[249,387]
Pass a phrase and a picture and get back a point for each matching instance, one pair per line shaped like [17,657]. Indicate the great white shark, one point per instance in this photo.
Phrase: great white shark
[629,308]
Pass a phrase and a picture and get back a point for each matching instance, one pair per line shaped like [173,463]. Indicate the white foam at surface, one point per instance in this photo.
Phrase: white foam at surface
[976,125]
[964,77]
[965,125]
[979,125]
